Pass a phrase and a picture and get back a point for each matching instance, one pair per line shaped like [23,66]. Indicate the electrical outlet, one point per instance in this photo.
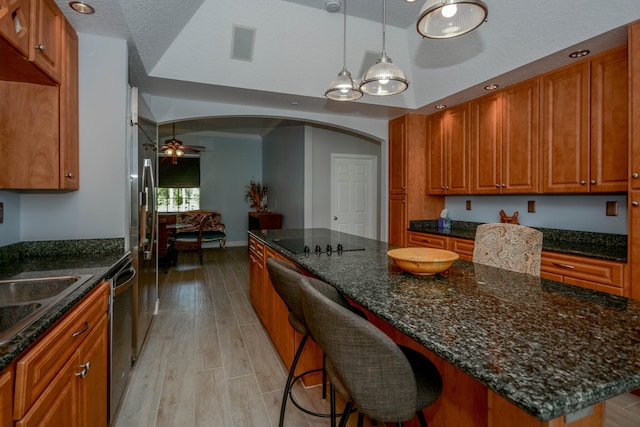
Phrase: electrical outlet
[612,208]
[531,206]
[1,212]
[468,205]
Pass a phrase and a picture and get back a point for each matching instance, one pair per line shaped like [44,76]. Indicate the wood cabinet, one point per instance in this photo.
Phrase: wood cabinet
[435,241]
[407,169]
[504,141]
[256,275]
[62,379]
[449,152]
[6,397]
[39,112]
[14,24]
[634,160]
[584,122]
[45,38]
[601,275]
[609,122]
[463,247]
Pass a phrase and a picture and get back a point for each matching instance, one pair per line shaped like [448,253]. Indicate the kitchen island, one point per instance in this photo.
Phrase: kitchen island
[513,349]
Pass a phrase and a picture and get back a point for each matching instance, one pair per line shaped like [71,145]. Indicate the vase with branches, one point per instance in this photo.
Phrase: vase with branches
[253,195]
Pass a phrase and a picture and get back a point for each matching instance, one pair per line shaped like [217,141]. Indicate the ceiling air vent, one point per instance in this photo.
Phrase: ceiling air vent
[242,41]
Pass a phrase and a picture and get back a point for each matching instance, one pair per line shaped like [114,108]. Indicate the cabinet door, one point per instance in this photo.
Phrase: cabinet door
[69,158]
[520,138]
[397,219]
[565,124]
[457,143]
[634,104]
[256,276]
[93,384]
[609,122]
[397,156]
[634,243]
[58,404]
[14,24]
[463,247]
[436,155]
[46,37]
[6,398]
[486,144]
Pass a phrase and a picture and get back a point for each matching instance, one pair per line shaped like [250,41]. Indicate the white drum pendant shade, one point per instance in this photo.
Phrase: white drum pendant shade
[441,19]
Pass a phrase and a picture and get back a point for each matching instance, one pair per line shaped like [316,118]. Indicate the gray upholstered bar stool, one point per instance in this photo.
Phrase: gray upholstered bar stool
[381,379]
[287,282]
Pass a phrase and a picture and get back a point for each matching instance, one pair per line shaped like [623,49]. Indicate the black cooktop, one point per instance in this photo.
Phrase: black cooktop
[336,242]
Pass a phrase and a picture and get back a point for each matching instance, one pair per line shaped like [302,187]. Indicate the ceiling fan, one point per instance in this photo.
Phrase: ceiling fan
[174,148]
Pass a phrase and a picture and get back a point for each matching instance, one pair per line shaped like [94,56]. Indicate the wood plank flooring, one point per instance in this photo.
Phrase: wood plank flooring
[208,362]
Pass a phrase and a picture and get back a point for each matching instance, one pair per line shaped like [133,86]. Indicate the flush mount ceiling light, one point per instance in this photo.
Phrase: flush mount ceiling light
[344,88]
[443,19]
[81,7]
[384,77]
[440,106]
[491,87]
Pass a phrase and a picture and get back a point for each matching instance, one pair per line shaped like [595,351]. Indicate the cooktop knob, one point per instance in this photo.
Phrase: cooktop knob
[306,249]
[318,248]
[329,248]
[340,248]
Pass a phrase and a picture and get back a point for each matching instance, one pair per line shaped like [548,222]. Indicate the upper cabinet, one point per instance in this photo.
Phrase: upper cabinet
[448,153]
[584,126]
[408,165]
[504,141]
[14,24]
[634,114]
[46,37]
[39,106]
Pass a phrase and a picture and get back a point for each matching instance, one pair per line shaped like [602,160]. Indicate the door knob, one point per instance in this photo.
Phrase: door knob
[634,204]
[335,218]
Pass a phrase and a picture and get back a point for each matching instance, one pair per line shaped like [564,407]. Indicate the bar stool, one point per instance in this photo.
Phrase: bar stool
[387,382]
[287,280]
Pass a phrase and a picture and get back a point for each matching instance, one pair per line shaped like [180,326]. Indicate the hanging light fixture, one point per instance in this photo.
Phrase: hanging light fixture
[384,77]
[344,87]
[173,147]
[443,19]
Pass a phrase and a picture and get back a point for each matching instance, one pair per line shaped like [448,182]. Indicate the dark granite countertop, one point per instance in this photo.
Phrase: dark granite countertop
[96,257]
[547,347]
[612,247]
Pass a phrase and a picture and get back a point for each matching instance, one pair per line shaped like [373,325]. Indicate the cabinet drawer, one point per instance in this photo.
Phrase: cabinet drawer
[256,247]
[462,247]
[43,361]
[592,270]
[428,240]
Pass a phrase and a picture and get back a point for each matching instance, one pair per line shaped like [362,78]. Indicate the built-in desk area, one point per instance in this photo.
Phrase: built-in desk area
[513,349]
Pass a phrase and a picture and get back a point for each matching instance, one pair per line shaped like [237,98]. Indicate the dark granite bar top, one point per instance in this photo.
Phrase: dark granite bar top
[95,257]
[549,348]
[612,247]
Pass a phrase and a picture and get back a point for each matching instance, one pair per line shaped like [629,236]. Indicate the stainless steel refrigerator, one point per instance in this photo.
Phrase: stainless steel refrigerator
[144,219]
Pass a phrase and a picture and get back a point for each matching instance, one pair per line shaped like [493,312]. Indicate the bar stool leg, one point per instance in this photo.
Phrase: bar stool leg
[289,384]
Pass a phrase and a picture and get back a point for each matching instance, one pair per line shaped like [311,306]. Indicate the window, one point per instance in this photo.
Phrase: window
[178,184]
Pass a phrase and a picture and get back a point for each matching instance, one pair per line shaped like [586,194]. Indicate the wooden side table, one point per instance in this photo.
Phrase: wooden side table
[264,221]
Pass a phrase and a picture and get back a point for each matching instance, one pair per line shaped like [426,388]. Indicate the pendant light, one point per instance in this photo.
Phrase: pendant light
[384,77]
[443,19]
[344,87]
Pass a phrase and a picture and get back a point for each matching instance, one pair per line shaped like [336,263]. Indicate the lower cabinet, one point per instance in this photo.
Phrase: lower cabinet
[62,379]
[274,314]
[6,397]
[600,275]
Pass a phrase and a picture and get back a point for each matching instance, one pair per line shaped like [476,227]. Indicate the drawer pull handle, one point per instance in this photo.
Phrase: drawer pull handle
[569,266]
[81,331]
[40,47]
[85,367]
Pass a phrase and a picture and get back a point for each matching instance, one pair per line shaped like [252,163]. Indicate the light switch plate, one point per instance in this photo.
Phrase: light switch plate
[1,212]
[468,205]
[531,206]
[612,208]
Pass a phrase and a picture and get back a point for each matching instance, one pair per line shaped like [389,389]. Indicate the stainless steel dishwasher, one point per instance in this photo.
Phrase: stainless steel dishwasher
[121,333]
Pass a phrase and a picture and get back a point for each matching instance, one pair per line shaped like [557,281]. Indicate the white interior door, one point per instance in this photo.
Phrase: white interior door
[353,194]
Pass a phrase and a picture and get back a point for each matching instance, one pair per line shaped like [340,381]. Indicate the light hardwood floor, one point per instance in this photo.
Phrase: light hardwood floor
[208,362]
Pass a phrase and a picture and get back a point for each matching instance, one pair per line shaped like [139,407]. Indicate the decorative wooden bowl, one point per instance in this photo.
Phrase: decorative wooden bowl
[423,261]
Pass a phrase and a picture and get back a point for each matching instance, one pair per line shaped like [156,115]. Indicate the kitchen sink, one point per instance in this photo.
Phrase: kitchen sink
[23,301]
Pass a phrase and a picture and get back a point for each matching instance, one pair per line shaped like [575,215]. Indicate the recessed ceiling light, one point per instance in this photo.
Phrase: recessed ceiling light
[491,87]
[83,8]
[579,53]
[410,1]
[440,106]
[294,103]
